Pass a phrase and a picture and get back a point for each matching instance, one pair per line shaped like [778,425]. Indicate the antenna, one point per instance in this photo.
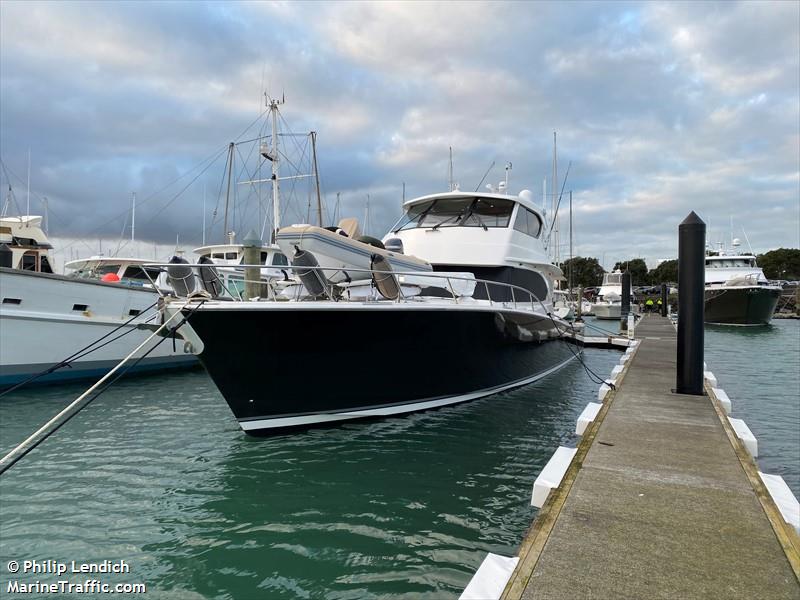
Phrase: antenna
[450,172]
[404,192]
[491,166]
[46,215]
[508,168]
[366,218]
[746,239]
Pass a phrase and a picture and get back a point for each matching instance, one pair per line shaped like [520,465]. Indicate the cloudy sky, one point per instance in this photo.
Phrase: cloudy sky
[660,108]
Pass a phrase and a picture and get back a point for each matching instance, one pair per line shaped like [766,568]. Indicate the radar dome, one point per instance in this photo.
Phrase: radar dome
[526,195]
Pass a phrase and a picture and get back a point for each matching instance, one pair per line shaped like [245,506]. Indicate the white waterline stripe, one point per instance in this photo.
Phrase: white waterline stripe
[388,410]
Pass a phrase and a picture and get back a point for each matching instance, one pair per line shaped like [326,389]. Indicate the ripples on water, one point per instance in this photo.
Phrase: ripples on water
[759,368]
[157,472]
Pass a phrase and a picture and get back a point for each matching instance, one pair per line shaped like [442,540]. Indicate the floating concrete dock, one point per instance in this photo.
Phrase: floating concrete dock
[661,500]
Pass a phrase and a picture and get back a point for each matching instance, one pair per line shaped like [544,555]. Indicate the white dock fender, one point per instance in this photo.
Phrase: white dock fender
[552,474]
[709,377]
[723,399]
[491,578]
[743,433]
[588,415]
[784,498]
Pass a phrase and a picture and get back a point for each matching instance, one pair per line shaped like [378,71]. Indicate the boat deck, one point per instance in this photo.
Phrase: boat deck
[661,501]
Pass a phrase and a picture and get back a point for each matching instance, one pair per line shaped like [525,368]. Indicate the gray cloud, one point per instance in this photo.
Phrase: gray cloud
[662,109]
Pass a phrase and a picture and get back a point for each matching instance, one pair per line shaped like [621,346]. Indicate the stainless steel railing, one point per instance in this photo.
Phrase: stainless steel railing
[276,287]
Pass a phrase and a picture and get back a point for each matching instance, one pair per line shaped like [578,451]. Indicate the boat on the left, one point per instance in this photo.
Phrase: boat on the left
[46,317]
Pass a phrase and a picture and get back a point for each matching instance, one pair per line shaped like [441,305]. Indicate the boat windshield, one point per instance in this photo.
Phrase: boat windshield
[613,279]
[457,212]
[730,263]
[141,274]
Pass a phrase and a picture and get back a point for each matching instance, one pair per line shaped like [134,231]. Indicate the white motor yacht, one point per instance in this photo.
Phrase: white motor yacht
[46,317]
[474,319]
[608,304]
[737,292]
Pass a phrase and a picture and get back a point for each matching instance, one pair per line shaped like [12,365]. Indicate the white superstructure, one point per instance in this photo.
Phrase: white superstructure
[734,269]
[45,318]
[609,297]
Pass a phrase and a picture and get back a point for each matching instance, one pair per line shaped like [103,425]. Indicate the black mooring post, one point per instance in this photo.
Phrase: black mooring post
[663,299]
[625,309]
[691,284]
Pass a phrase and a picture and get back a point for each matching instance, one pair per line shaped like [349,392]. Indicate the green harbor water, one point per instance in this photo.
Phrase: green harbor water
[156,472]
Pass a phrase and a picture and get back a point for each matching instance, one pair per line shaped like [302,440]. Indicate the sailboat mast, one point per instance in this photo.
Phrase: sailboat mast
[133,216]
[204,214]
[316,175]
[28,207]
[228,194]
[554,186]
[276,208]
[571,255]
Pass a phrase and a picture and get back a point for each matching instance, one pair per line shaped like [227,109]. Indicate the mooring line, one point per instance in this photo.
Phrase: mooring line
[79,403]
[85,351]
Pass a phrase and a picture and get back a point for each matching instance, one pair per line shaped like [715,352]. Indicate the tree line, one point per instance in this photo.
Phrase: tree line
[783,263]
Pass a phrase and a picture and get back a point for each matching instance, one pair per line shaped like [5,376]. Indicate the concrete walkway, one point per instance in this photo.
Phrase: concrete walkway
[658,503]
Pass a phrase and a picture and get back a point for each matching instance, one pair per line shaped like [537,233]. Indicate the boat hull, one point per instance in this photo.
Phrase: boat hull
[300,370]
[607,311]
[741,305]
[41,324]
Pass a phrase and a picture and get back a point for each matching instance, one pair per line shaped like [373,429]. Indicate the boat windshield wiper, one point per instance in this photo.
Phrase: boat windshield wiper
[447,220]
[418,219]
[472,212]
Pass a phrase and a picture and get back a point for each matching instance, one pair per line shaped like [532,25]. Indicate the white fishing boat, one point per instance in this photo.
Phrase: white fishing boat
[608,304]
[46,318]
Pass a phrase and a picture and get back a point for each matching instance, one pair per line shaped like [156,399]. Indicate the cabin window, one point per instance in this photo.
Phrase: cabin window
[80,307]
[104,269]
[457,212]
[140,274]
[264,257]
[218,255]
[29,261]
[12,301]
[489,212]
[134,312]
[528,222]
[231,256]
[46,268]
[279,259]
